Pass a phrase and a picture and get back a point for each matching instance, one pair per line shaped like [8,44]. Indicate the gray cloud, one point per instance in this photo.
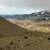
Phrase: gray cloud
[15,4]
[27,3]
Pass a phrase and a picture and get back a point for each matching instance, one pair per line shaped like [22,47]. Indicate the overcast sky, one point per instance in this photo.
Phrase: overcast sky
[23,6]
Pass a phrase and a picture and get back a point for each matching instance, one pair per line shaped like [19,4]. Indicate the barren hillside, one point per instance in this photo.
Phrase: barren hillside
[17,36]
[43,26]
[9,29]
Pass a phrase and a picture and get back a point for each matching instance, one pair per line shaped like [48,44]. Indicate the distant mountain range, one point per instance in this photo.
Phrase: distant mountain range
[27,16]
[41,14]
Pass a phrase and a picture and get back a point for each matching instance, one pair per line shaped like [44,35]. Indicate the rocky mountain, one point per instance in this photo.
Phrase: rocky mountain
[29,16]
[41,14]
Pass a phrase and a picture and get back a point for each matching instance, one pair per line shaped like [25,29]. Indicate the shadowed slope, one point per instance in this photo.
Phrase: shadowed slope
[9,29]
